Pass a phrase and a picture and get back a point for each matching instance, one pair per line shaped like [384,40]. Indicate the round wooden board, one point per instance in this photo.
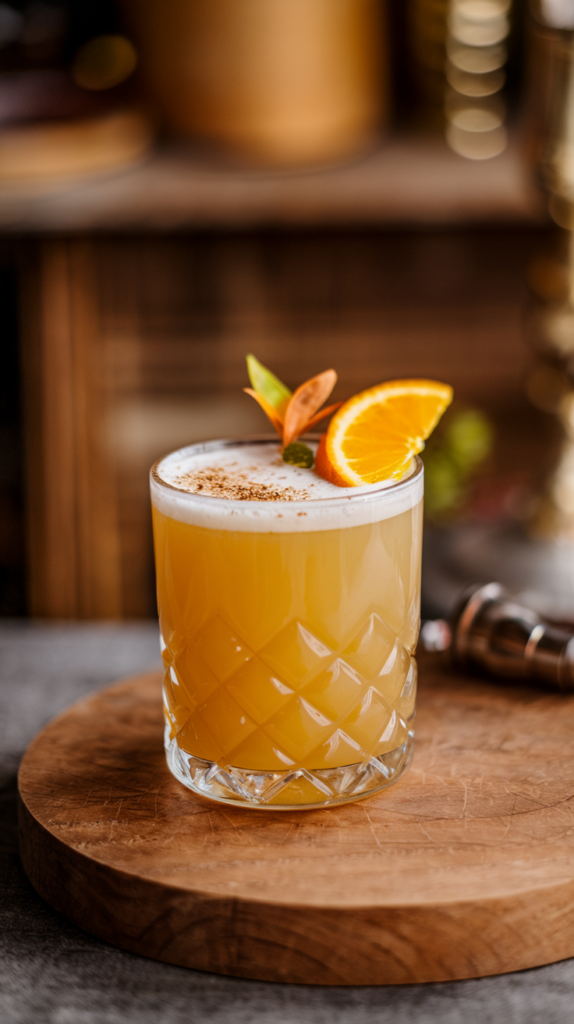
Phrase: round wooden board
[465,868]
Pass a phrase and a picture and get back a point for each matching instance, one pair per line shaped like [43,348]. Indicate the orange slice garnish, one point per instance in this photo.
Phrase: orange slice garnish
[374,435]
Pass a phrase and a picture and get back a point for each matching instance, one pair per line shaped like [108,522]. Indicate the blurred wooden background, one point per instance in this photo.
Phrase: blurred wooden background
[135,345]
[135,277]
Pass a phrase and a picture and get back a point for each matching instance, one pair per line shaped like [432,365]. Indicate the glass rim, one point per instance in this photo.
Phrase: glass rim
[205,500]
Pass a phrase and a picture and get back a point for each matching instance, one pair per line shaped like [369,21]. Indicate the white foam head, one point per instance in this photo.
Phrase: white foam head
[243,485]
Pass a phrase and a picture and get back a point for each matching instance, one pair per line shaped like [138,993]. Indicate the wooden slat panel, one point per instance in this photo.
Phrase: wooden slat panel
[99,571]
[49,434]
[73,562]
[136,346]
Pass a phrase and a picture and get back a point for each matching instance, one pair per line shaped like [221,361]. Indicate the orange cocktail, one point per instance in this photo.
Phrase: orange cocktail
[289,614]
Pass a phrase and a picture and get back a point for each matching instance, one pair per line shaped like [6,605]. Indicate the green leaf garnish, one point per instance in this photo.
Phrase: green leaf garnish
[267,384]
[297,454]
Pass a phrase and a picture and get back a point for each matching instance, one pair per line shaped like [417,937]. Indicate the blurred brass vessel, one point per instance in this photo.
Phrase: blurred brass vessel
[282,82]
[534,557]
[550,385]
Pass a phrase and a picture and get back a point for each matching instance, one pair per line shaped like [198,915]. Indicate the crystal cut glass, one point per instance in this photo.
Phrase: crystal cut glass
[288,635]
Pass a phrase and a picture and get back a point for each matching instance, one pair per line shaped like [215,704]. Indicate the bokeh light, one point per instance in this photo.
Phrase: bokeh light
[104,62]
[477,61]
[476,55]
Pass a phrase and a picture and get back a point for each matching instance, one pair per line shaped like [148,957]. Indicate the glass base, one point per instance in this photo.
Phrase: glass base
[296,789]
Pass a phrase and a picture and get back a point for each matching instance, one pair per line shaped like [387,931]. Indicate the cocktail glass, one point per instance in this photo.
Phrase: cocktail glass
[288,631]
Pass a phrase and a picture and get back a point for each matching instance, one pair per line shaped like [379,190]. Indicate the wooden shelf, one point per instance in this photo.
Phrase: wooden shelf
[407,180]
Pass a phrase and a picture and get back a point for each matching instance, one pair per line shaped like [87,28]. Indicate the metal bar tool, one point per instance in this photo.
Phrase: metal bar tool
[492,632]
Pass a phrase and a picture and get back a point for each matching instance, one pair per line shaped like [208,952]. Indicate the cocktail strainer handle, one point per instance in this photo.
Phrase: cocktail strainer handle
[491,631]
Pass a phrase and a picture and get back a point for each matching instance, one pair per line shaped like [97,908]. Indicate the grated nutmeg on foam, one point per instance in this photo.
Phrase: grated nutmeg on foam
[265,494]
[216,482]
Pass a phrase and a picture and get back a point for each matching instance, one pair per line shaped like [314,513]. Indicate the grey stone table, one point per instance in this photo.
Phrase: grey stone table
[53,972]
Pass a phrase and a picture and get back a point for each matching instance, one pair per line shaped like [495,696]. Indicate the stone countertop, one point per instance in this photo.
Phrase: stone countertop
[51,971]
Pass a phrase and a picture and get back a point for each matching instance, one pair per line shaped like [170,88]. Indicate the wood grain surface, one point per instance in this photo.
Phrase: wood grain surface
[465,868]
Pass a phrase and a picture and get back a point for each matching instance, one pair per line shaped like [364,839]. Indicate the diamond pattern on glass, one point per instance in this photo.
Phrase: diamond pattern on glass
[258,690]
[391,678]
[226,720]
[200,682]
[410,627]
[176,709]
[298,728]
[221,648]
[370,648]
[340,749]
[407,698]
[266,753]
[165,652]
[295,654]
[196,738]
[367,722]
[294,702]
[394,734]
[335,691]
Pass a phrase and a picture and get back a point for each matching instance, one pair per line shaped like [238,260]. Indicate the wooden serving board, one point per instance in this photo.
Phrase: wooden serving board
[465,868]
